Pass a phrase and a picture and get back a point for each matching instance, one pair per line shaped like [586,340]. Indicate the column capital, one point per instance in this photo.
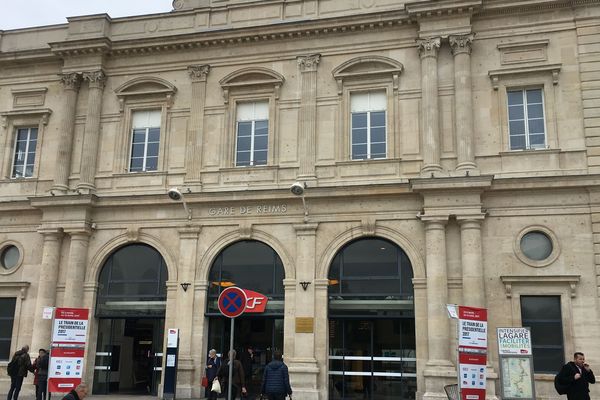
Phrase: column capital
[306,229]
[461,44]
[429,47]
[198,73]
[471,218]
[50,233]
[434,221]
[289,284]
[189,232]
[70,81]
[309,63]
[96,79]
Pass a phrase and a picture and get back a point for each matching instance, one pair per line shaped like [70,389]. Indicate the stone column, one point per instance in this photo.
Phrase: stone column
[76,266]
[198,74]
[472,265]
[46,295]
[71,83]
[308,116]
[461,49]
[437,291]
[91,137]
[321,329]
[430,125]
[303,366]
[188,243]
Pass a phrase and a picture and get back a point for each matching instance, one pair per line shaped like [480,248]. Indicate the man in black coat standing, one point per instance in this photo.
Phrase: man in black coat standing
[577,376]
[23,365]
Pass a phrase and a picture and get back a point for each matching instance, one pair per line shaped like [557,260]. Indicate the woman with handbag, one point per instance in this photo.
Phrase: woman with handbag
[213,363]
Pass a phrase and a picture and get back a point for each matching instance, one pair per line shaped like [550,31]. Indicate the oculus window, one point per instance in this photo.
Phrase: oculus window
[368,125]
[145,141]
[252,134]
[24,155]
[526,125]
[9,257]
[536,245]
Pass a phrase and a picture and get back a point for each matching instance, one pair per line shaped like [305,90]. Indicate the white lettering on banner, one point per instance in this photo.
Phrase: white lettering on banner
[253,302]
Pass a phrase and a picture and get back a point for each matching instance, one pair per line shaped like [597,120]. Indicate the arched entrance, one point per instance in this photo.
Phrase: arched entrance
[130,308]
[372,349]
[248,264]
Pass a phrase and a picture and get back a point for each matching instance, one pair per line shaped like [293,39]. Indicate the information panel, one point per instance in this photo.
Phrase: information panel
[516,363]
[70,326]
[66,369]
[472,352]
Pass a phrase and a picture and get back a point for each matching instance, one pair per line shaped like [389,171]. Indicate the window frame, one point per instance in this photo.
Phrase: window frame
[9,338]
[252,135]
[19,291]
[131,137]
[369,143]
[27,152]
[525,105]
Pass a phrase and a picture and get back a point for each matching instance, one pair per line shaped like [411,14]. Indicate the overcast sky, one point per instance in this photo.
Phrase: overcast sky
[16,14]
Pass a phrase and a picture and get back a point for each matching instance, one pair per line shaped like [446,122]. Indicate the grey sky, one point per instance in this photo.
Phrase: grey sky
[16,14]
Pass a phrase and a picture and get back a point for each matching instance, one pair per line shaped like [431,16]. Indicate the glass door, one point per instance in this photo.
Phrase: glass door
[104,355]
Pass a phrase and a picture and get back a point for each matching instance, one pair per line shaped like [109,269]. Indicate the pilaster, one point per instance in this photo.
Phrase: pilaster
[96,80]
[198,75]
[308,116]
[76,266]
[471,256]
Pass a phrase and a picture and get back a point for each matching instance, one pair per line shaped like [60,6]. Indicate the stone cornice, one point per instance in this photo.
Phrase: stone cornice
[569,280]
[436,8]
[70,48]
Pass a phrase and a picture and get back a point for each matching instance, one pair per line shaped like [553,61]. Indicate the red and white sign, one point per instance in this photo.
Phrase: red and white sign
[70,326]
[472,350]
[66,369]
[232,302]
[255,302]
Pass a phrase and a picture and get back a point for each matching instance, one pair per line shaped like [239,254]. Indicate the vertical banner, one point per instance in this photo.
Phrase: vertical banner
[472,352]
[170,375]
[516,363]
[69,336]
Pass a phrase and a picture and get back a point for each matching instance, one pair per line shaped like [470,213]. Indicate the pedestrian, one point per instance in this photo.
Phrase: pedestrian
[276,379]
[247,359]
[576,376]
[40,365]
[213,363]
[237,379]
[22,366]
[78,393]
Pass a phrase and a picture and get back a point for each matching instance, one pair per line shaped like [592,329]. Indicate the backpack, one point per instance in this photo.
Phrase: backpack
[13,367]
[561,388]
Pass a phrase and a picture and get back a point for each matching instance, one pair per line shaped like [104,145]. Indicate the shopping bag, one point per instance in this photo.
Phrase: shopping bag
[216,386]
[204,381]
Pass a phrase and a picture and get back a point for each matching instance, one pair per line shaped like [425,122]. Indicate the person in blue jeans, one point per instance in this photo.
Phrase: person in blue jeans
[276,379]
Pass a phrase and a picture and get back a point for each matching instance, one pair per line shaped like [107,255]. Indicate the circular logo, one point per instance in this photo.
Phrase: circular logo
[232,302]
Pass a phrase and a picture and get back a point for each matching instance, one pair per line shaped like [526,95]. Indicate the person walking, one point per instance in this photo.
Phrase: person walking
[237,379]
[78,393]
[247,359]
[22,366]
[212,367]
[577,375]
[42,374]
[276,379]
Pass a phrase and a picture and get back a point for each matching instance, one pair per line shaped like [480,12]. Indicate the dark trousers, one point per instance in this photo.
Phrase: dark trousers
[276,396]
[234,391]
[41,389]
[15,387]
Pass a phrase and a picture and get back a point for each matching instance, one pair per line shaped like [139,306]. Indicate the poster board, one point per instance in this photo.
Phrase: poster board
[516,363]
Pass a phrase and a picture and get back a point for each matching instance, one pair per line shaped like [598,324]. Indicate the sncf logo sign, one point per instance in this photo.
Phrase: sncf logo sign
[255,302]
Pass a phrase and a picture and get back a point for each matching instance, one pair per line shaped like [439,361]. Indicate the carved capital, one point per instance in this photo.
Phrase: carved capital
[96,79]
[70,81]
[198,73]
[429,47]
[309,63]
[461,44]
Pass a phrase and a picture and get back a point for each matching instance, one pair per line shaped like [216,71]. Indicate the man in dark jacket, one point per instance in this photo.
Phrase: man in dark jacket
[577,375]
[23,361]
[78,393]
[276,379]
[42,375]
[237,379]
[212,367]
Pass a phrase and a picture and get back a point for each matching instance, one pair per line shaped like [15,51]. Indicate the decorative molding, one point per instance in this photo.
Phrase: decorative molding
[569,280]
[496,75]
[523,52]
[245,230]
[461,44]
[42,113]
[309,63]
[154,87]
[71,80]
[369,226]
[379,66]
[429,47]
[253,76]
[20,286]
[29,97]
[198,73]
[306,229]
[133,233]
[96,79]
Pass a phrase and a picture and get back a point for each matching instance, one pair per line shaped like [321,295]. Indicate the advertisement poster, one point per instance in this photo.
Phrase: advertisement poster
[472,352]
[514,341]
[472,328]
[70,326]
[66,369]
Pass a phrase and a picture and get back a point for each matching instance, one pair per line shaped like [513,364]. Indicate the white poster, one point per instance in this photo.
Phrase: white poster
[473,333]
[172,336]
[514,341]
[472,376]
[70,326]
[170,360]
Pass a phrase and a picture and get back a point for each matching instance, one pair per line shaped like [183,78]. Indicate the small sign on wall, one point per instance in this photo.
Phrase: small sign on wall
[305,325]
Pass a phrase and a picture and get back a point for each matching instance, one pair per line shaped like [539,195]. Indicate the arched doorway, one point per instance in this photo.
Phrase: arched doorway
[372,349]
[130,308]
[248,264]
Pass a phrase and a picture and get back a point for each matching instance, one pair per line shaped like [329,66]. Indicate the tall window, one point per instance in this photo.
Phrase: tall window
[368,125]
[25,144]
[542,314]
[252,134]
[526,119]
[145,140]
[7,317]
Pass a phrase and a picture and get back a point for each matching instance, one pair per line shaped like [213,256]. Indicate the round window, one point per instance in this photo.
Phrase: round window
[10,257]
[536,245]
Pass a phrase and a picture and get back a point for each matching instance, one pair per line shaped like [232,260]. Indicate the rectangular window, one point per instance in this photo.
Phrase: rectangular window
[24,160]
[7,317]
[368,136]
[252,139]
[145,141]
[526,123]
[543,315]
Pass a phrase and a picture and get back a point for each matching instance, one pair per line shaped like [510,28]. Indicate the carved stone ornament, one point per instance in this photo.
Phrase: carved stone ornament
[198,73]
[95,78]
[309,63]
[429,47]
[71,81]
[461,43]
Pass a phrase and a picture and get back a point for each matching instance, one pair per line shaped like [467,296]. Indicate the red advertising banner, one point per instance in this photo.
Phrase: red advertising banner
[66,369]
[472,352]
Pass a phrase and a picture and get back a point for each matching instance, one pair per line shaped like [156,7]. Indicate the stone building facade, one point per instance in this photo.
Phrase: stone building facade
[459,138]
